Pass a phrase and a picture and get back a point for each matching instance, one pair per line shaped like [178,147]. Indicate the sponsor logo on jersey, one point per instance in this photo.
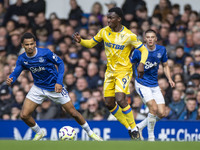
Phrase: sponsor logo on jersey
[36,69]
[41,59]
[115,46]
[149,64]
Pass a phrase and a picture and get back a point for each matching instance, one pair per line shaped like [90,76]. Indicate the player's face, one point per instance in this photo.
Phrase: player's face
[150,39]
[113,19]
[29,46]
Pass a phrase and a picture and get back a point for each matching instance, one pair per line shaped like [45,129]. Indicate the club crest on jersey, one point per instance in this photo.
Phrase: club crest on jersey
[55,57]
[109,34]
[122,36]
[159,55]
[41,59]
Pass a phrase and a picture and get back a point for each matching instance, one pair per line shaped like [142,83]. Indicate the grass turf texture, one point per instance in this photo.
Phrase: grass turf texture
[93,145]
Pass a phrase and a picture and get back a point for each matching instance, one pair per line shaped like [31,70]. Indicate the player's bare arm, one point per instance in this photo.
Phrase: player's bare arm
[9,81]
[58,88]
[140,70]
[144,56]
[167,73]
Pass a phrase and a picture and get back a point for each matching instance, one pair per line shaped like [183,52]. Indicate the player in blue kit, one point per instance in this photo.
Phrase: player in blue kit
[147,87]
[47,84]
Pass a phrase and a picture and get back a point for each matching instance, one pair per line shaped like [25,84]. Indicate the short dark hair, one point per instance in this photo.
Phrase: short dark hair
[150,30]
[117,10]
[28,35]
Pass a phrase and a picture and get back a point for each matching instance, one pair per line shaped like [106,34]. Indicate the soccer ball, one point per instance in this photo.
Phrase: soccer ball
[67,133]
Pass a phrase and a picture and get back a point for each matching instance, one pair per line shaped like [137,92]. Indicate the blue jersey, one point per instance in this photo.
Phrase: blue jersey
[150,77]
[42,68]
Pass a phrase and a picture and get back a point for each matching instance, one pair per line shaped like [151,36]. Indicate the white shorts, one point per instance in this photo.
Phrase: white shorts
[149,93]
[38,95]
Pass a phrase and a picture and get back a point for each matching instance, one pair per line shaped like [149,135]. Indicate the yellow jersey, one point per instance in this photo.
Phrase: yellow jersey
[118,46]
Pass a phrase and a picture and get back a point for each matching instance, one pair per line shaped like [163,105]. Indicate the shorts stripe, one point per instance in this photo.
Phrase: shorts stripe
[127,111]
[115,110]
[141,93]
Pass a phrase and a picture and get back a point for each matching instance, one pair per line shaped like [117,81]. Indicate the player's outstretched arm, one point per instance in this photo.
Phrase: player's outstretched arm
[168,75]
[86,43]
[9,81]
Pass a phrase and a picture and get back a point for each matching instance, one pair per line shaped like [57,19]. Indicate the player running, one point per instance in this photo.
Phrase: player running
[118,42]
[147,87]
[47,84]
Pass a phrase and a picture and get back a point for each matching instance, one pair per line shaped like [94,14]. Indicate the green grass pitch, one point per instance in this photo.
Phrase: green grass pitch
[93,145]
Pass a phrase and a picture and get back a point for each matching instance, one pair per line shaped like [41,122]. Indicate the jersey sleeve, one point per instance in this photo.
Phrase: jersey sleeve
[135,56]
[17,71]
[99,36]
[94,41]
[135,42]
[164,57]
[56,60]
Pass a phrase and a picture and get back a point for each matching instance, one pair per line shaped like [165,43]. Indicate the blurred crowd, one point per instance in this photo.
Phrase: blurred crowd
[85,68]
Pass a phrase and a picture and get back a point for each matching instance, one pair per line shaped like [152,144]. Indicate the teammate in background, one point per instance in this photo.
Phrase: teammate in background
[147,87]
[118,42]
[47,84]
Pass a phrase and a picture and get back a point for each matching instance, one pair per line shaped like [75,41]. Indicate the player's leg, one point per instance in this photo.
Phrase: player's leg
[147,97]
[121,89]
[116,110]
[109,98]
[128,115]
[151,119]
[64,99]
[160,102]
[69,108]
[161,111]
[33,99]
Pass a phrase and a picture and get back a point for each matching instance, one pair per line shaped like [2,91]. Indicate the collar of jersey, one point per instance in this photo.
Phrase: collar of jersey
[119,31]
[151,50]
[34,55]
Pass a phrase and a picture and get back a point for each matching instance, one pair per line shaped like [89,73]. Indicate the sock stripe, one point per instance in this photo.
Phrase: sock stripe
[127,111]
[115,110]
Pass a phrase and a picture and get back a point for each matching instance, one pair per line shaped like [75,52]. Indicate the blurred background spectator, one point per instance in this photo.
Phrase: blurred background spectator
[177,27]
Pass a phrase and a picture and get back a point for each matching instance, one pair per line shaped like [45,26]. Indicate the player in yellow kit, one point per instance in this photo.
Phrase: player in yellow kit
[118,42]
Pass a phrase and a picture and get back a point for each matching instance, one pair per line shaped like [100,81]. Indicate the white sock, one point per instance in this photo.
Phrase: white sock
[134,129]
[36,129]
[151,124]
[86,127]
[142,124]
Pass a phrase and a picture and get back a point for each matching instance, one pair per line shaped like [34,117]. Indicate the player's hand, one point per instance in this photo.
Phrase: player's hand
[140,70]
[58,88]
[9,81]
[171,82]
[77,37]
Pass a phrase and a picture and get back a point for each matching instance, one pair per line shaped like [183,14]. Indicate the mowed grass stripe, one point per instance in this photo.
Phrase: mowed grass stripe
[93,145]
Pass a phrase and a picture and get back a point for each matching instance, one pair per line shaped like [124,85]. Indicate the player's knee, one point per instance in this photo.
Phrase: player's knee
[109,105]
[24,116]
[161,114]
[153,109]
